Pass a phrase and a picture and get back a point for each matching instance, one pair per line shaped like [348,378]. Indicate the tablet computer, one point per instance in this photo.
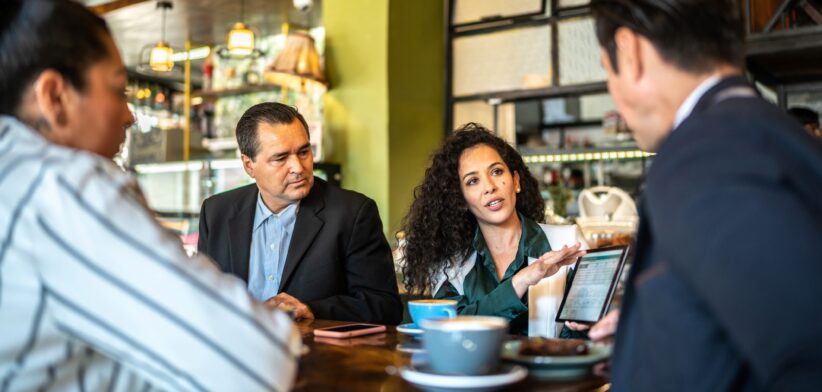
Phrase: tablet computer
[591,288]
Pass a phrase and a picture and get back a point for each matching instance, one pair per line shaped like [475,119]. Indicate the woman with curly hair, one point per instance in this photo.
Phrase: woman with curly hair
[473,233]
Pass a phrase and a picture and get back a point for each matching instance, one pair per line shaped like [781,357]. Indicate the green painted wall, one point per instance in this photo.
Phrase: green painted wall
[384,111]
[356,106]
[416,73]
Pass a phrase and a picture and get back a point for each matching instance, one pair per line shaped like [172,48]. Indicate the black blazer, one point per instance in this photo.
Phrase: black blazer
[725,290]
[338,263]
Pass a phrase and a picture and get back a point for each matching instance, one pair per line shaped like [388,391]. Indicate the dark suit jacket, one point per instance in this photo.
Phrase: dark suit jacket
[725,290]
[338,263]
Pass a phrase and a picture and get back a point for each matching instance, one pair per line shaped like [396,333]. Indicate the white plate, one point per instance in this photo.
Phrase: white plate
[409,329]
[422,376]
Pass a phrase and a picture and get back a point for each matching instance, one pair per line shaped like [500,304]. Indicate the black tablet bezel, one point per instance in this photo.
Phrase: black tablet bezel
[622,258]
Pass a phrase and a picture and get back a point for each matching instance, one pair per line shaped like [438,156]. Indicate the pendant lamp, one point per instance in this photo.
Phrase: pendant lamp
[240,40]
[298,65]
[160,57]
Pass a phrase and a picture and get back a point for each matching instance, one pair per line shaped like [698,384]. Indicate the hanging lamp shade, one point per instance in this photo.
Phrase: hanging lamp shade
[240,41]
[160,58]
[298,65]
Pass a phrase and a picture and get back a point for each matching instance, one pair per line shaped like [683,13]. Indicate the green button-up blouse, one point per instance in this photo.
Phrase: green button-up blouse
[485,294]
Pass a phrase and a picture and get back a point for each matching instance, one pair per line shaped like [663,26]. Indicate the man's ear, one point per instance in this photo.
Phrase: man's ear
[50,95]
[248,165]
[628,53]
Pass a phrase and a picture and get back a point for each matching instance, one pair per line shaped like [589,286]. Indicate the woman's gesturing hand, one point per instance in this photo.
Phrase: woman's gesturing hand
[547,265]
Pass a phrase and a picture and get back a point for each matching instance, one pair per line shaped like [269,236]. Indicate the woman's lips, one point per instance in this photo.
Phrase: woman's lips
[494,205]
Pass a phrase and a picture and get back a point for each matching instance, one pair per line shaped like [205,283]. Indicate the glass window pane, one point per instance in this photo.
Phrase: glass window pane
[473,111]
[572,3]
[502,61]
[467,11]
[594,107]
[579,52]
[810,99]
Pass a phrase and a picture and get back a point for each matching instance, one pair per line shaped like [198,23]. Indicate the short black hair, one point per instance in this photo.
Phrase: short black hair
[693,35]
[36,35]
[272,113]
[804,115]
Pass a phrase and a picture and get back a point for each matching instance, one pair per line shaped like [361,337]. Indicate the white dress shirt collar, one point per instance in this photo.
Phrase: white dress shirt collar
[688,105]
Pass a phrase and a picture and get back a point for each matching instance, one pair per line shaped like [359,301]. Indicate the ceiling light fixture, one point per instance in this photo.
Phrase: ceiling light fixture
[240,41]
[160,58]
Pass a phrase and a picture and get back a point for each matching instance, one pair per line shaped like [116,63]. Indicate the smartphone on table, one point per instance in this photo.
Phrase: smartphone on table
[349,330]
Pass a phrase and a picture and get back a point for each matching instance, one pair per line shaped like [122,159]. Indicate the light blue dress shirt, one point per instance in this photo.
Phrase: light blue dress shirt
[270,238]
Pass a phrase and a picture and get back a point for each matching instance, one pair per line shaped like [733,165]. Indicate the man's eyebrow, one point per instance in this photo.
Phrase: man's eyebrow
[279,154]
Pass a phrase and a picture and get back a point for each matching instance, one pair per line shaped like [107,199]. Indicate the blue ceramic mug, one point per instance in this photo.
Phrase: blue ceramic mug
[424,309]
[465,345]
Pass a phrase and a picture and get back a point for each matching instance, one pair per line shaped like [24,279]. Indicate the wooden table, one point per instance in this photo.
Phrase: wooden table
[370,363]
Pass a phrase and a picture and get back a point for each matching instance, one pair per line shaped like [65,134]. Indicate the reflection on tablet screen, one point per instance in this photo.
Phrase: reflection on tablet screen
[591,286]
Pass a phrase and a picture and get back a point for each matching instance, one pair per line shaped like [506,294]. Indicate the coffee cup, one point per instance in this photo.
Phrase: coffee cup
[424,309]
[464,345]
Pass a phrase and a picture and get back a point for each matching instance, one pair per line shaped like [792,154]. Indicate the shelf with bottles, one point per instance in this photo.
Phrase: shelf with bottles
[227,92]
[570,129]
[147,92]
[270,81]
[156,134]
[562,182]
[180,187]
[175,190]
[217,119]
[232,85]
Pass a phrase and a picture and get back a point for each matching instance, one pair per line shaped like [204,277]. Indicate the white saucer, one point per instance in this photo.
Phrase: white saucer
[411,346]
[422,376]
[409,329]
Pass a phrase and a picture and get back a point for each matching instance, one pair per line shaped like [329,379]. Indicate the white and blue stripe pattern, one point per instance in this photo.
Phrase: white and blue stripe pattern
[96,296]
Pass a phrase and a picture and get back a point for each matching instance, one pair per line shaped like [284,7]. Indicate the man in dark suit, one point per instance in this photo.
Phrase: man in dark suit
[297,241]
[725,288]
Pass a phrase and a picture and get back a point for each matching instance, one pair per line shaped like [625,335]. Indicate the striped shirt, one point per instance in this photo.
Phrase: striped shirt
[95,295]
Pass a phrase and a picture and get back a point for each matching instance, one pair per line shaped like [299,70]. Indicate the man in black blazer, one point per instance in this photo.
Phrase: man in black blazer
[724,291]
[328,256]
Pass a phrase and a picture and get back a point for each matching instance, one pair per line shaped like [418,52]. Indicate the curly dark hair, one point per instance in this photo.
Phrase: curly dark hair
[439,228]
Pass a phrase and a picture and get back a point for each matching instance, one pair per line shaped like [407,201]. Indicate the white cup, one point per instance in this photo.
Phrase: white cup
[544,297]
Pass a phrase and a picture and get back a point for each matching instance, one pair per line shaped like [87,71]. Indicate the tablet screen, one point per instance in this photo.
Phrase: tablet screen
[592,285]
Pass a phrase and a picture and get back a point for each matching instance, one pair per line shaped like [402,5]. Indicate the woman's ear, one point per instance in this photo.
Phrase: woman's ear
[516,181]
[50,93]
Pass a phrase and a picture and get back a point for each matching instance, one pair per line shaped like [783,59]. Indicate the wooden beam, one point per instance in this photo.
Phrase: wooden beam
[811,11]
[777,15]
[102,9]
